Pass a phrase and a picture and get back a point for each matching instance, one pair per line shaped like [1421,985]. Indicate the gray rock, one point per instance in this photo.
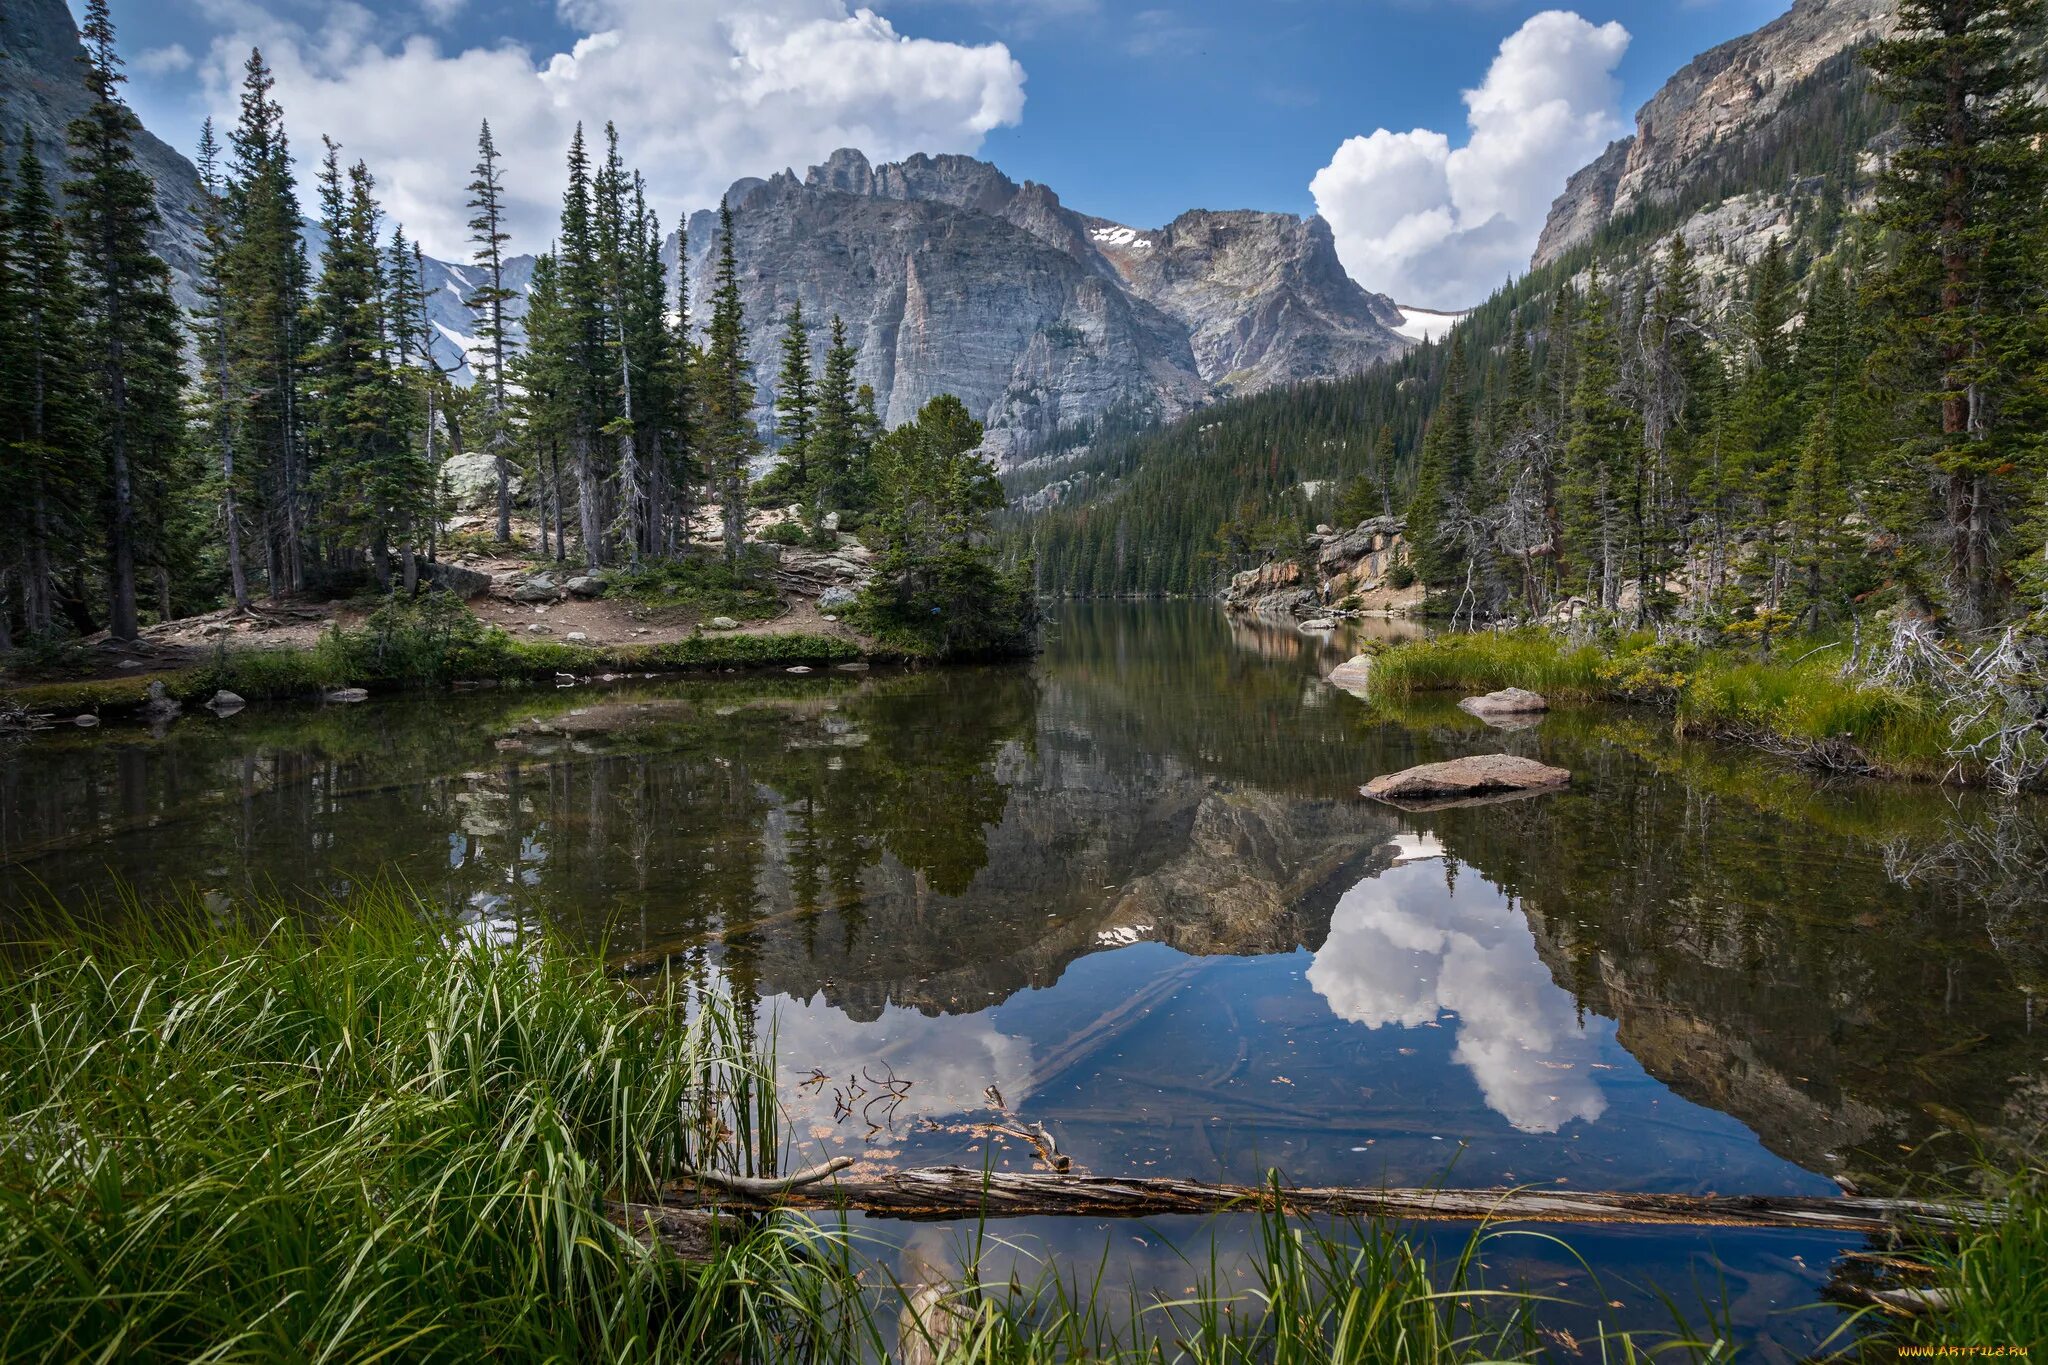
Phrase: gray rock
[86,721]
[454,578]
[837,599]
[829,522]
[1036,316]
[536,628]
[472,480]
[798,668]
[1477,776]
[159,705]
[1319,623]
[857,666]
[224,703]
[539,588]
[576,635]
[587,585]
[348,694]
[1353,674]
[721,623]
[1509,701]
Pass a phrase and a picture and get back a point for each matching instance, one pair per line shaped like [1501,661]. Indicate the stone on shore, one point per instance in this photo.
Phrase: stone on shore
[837,598]
[1509,701]
[225,703]
[721,623]
[539,588]
[1353,674]
[1479,775]
[348,694]
[587,586]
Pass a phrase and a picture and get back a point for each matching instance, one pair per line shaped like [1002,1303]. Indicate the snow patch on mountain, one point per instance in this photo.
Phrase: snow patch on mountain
[1423,324]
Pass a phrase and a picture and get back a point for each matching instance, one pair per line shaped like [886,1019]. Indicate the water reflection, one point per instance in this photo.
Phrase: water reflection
[1412,945]
[1135,891]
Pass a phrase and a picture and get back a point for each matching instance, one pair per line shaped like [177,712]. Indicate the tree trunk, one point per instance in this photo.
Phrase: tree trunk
[947,1192]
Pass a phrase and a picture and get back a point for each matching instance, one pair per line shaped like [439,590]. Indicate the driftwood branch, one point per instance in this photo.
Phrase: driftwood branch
[768,1187]
[956,1192]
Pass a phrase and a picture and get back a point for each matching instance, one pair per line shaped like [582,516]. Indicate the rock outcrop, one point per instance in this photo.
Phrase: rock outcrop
[953,278]
[1719,98]
[1349,570]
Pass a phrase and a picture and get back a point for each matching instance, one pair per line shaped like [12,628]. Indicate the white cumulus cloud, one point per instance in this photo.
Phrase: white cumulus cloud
[703,92]
[1442,226]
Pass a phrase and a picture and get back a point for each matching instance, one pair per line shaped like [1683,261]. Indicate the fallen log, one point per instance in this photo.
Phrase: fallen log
[944,1192]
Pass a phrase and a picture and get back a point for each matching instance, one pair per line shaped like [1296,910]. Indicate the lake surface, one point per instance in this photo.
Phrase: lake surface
[1132,890]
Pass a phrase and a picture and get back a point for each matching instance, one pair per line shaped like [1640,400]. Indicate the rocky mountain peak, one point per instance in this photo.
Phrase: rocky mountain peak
[1720,96]
[953,277]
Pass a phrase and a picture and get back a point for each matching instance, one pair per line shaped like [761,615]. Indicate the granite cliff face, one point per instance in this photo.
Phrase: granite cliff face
[1720,98]
[42,89]
[953,278]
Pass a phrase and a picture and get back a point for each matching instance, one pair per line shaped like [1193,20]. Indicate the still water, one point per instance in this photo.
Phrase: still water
[1131,892]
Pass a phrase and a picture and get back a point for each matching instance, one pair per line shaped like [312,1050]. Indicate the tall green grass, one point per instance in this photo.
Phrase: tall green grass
[1994,1282]
[251,1140]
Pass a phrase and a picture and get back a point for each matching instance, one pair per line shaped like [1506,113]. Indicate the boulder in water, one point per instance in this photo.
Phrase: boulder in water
[225,703]
[1352,674]
[1508,702]
[1481,775]
[348,694]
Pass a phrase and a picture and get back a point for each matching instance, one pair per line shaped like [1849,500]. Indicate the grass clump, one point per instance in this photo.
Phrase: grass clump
[1993,1283]
[1798,702]
[1486,662]
[254,1140]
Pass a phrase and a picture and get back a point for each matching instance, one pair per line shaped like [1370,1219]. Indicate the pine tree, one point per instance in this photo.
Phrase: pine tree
[1835,404]
[217,406]
[52,483]
[1603,435]
[729,436]
[488,236]
[586,370]
[1963,199]
[132,324]
[265,280]
[834,436]
[796,403]
[1443,482]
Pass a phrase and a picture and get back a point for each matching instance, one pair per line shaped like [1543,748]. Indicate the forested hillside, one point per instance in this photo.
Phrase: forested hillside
[1177,509]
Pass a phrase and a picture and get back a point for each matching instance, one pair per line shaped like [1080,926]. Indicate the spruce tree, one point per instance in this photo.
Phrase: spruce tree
[834,435]
[586,372]
[52,481]
[487,302]
[132,323]
[1963,200]
[727,390]
[796,403]
[1603,435]
[265,278]
[217,405]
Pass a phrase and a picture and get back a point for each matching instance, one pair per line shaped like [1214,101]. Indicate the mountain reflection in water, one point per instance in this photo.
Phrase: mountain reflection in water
[1133,891]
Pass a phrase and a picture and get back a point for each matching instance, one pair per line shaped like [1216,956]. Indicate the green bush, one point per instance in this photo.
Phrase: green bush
[960,608]
[1403,576]
[785,533]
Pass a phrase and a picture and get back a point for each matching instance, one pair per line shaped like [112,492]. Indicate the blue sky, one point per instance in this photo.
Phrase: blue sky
[1130,111]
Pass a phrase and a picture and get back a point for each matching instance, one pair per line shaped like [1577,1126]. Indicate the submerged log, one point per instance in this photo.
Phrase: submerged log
[960,1192]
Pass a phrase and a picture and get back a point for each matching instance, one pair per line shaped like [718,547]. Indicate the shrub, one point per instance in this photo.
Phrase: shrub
[1403,576]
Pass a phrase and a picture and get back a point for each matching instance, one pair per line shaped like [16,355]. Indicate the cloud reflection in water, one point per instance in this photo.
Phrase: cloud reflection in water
[1405,948]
